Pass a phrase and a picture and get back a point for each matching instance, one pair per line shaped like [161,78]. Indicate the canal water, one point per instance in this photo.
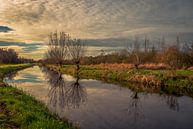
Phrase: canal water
[93,104]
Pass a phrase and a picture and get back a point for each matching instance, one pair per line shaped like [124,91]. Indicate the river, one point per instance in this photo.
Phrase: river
[93,104]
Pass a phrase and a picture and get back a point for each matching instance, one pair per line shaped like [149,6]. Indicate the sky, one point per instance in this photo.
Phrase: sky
[26,24]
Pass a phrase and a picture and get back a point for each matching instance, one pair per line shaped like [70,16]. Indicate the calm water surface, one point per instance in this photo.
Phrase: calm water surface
[96,105]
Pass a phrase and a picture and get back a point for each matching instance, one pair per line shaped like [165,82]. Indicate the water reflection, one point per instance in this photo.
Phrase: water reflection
[11,75]
[109,106]
[171,102]
[64,93]
[135,109]
[75,94]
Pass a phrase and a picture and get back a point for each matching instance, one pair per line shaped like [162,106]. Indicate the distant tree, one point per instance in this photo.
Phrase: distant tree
[136,44]
[102,52]
[153,49]
[178,42]
[172,57]
[146,44]
[163,43]
[134,52]
[186,54]
[191,47]
[8,56]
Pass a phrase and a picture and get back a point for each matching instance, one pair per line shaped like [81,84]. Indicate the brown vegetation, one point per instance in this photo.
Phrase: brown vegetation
[168,57]
[136,55]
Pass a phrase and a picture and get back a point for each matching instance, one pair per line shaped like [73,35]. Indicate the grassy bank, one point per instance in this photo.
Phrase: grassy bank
[178,82]
[10,68]
[18,110]
[6,69]
[22,111]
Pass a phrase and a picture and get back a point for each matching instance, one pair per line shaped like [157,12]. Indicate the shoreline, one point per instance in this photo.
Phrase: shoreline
[20,110]
[179,83]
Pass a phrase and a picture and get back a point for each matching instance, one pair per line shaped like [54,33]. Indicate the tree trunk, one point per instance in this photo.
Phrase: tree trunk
[136,66]
[77,69]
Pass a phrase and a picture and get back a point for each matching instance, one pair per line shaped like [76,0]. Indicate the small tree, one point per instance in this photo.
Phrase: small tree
[178,42]
[163,44]
[172,57]
[134,52]
[146,42]
[76,49]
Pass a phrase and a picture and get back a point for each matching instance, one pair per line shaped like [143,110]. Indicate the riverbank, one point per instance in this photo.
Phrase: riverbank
[18,110]
[179,82]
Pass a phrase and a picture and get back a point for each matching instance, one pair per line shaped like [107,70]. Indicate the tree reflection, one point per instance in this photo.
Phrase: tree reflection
[75,94]
[171,102]
[11,75]
[135,109]
[64,94]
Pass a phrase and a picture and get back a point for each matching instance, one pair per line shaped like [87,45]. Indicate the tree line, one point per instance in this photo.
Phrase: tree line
[62,49]
[177,55]
[10,56]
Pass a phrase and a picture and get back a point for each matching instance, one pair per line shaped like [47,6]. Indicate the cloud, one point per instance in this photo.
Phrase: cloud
[102,23]
[37,50]
[5,29]
[95,19]
[27,50]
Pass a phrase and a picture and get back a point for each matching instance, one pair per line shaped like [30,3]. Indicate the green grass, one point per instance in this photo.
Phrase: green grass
[5,69]
[27,113]
[18,110]
[184,72]
[180,83]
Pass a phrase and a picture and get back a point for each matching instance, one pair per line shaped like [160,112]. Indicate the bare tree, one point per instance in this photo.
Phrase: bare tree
[146,44]
[57,47]
[191,50]
[172,57]
[76,49]
[163,44]
[136,44]
[191,47]
[153,49]
[133,51]
[178,42]
[136,52]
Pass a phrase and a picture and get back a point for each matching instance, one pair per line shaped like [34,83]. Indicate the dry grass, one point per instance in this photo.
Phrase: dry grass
[114,66]
[148,80]
[150,66]
[190,68]
[154,66]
